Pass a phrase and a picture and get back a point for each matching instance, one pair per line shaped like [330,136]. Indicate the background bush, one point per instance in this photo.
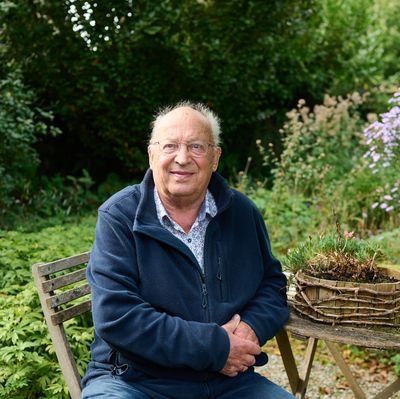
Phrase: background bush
[20,125]
[323,169]
[109,66]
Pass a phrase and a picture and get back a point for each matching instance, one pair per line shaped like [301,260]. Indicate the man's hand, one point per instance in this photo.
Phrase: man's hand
[243,330]
[242,351]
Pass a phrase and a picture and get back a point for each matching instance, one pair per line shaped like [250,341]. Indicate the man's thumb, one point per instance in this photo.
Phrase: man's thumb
[232,323]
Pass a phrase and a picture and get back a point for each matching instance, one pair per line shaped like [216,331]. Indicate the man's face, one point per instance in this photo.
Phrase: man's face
[182,177]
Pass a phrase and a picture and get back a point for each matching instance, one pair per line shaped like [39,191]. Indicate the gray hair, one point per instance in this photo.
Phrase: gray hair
[211,117]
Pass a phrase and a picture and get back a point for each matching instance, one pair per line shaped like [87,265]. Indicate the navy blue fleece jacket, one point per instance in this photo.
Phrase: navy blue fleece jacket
[151,302]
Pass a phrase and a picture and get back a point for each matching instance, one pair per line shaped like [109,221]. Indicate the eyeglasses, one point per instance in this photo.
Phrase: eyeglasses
[196,149]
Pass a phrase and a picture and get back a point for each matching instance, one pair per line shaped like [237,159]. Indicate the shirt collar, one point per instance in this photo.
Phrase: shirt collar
[208,208]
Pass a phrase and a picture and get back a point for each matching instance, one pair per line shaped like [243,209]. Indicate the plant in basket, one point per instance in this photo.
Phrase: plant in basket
[338,281]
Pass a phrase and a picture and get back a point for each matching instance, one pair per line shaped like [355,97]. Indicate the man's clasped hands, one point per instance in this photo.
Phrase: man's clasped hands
[244,346]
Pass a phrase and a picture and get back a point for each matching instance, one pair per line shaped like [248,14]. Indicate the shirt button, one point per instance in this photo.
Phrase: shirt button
[189,240]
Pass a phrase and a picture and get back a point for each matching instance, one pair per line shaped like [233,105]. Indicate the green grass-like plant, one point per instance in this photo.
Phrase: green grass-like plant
[337,257]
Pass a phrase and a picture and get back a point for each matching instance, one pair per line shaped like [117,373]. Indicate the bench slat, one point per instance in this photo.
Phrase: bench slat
[68,296]
[46,269]
[63,281]
[76,310]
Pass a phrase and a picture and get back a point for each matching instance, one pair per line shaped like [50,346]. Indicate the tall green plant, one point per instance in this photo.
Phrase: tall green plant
[109,65]
[354,45]
[322,167]
[321,145]
[20,125]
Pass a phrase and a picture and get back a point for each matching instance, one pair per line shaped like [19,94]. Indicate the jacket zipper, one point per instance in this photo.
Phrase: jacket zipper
[205,293]
[220,274]
[221,283]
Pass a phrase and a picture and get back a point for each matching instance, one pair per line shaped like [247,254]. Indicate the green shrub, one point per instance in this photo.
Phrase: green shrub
[323,168]
[20,125]
[320,145]
[56,197]
[20,249]
[389,242]
[290,217]
[28,365]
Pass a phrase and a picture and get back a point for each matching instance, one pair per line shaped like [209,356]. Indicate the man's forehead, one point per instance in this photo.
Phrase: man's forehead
[184,113]
[184,117]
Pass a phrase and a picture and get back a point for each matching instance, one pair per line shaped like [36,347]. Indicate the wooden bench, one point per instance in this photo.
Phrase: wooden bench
[64,294]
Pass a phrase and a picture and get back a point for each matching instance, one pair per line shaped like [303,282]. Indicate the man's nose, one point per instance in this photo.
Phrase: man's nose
[183,154]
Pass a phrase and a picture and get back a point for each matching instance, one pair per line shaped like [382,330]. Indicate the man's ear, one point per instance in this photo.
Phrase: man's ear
[217,155]
[150,155]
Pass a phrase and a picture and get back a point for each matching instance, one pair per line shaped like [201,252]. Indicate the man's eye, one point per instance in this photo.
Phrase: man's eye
[197,147]
[170,146]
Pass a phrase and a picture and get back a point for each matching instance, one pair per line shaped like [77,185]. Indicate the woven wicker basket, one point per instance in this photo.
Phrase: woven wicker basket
[340,302]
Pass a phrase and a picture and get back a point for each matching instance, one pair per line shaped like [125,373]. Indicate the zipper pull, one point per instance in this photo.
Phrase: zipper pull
[205,293]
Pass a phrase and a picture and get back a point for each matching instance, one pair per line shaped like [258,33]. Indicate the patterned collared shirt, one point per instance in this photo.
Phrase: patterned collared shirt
[194,239]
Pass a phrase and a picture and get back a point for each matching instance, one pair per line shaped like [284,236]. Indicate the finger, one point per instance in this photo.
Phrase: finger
[251,348]
[232,324]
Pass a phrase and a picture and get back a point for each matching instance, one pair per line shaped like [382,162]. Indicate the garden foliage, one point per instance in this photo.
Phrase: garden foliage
[323,168]
[383,155]
[21,123]
[110,65]
[28,365]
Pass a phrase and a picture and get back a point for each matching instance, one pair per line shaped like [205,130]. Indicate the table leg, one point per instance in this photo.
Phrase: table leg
[289,362]
[358,393]
[298,383]
[307,364]
[389,390]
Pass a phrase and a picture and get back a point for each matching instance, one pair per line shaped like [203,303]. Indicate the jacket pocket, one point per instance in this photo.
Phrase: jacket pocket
[124,369]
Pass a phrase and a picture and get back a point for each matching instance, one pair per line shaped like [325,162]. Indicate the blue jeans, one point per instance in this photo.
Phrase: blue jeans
[249,385]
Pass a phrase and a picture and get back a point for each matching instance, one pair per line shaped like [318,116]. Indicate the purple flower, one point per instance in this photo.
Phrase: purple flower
[383,139]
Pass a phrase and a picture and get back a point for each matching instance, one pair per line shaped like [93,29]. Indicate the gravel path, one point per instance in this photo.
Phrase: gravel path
[326,380]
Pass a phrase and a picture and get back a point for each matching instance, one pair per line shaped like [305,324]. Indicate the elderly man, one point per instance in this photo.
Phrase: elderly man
[185,288]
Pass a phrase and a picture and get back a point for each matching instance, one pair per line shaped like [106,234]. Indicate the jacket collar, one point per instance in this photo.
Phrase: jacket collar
[147,213]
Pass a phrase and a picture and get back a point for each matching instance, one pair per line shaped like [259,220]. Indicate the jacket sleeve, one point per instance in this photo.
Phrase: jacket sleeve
[268,311]
[131,325]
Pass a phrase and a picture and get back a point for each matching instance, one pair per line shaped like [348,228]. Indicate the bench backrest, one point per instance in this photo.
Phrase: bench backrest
[64,294]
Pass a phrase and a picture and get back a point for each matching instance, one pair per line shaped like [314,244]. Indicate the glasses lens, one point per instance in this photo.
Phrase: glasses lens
[196,149]
[169,147]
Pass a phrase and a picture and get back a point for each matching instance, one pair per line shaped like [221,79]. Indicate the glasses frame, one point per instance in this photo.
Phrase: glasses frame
[188,149]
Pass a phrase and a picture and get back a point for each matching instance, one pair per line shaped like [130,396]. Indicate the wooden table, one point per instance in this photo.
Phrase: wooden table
[331,336]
